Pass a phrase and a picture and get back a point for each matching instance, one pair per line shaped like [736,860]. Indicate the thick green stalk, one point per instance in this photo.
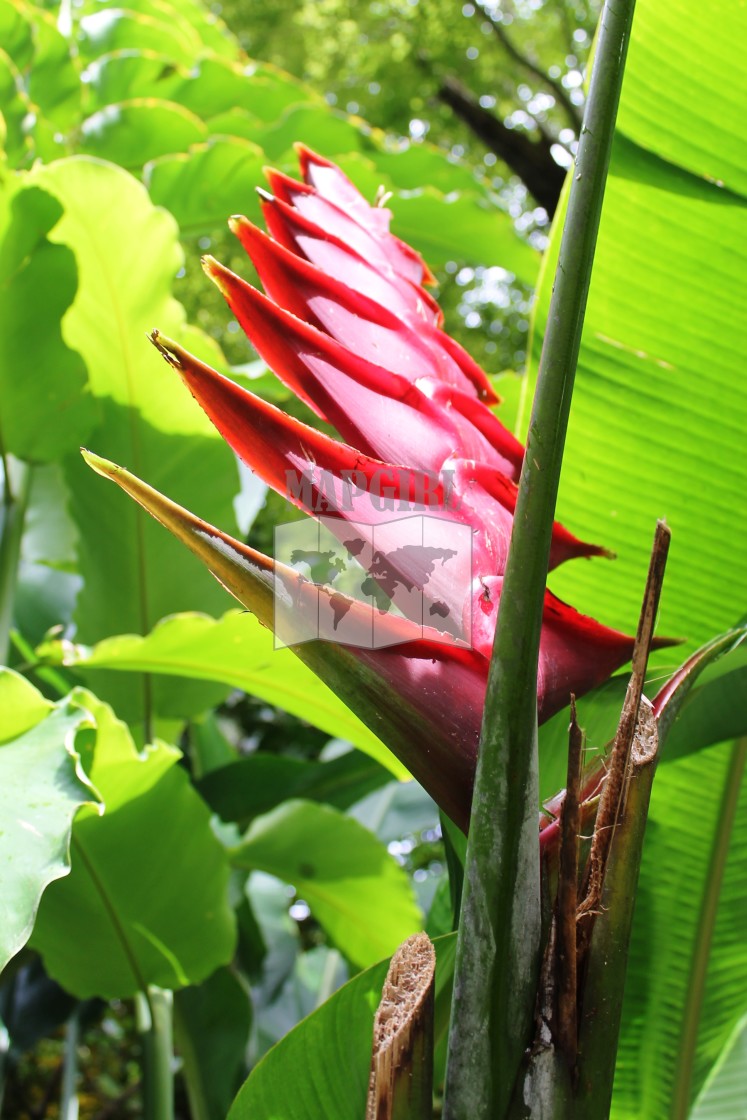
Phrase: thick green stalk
[499,936]
[155,1026]
[16,485]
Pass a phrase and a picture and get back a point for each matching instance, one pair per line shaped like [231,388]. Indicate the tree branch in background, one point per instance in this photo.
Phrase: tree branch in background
[562,98]
[530,159]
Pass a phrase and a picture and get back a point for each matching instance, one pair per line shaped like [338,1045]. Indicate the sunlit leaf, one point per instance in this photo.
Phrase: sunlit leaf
[215,85]
[123,75]
[237,651]
[112,29]
[133,576]
[354,887]
[53,80]
[463,229]
[146,899]
[38,280]
[207,24]
[16,106]
[16,33]
[200,187]
[700,133]
[22,705]
[133,132]
[42,788]
[412,169]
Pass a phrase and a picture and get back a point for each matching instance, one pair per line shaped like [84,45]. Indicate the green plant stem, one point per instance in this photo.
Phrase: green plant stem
[17,483]
[69,1093]
[4,1052]
[155,1025]
[455,849]
[499,935]
[33,664]
[327,982]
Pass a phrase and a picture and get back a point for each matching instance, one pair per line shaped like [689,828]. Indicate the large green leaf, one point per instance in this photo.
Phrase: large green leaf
[723,1095]
[15,109]
[461,229]
[205,185]
[21,704]
[135,131]
[146,900]
[691,117]
[419,165]
[16,32]
[237,651]
[211,86]
[124,75]
[127,253]
[660,406]
[42,54]
[440,226]
[120,28]
[688,940]
[212,31]
[46,407]
[320,127]
[42,788]
[321,1067]
[216,86]
[249,786]
[353,886]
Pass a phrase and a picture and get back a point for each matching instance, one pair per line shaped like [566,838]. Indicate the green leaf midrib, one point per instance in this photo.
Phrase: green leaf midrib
[108,904]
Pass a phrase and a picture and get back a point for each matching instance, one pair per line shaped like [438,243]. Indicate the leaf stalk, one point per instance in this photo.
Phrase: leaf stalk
[16,487]
[155,1025]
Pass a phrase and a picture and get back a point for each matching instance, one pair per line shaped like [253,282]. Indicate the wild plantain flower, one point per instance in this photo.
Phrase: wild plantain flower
[346,323]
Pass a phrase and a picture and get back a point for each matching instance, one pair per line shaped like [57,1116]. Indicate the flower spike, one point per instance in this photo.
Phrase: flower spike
[416,498]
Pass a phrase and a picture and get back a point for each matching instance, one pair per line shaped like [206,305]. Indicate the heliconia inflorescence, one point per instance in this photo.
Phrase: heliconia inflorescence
[346,323]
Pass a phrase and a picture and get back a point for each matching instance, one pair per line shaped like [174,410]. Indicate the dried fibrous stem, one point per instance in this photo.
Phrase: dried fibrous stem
[401,1082]
[566,1026]
[612,799]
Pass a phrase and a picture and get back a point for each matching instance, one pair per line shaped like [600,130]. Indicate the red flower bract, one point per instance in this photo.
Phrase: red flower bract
[346,323]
